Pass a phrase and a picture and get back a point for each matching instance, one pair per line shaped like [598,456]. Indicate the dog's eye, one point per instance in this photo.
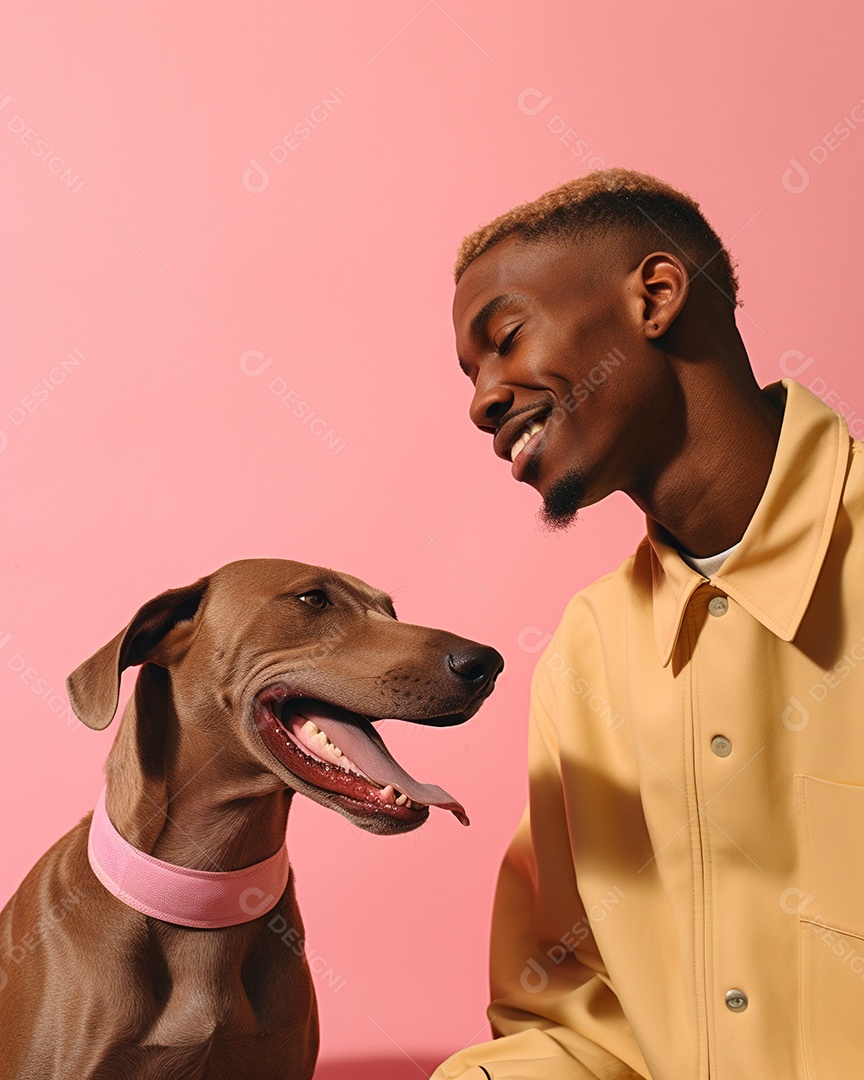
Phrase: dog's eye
[316,598]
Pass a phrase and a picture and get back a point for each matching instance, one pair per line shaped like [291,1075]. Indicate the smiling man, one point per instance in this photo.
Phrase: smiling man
[683,897]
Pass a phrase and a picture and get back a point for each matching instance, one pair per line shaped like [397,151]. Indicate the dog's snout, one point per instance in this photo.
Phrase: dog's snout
[476,665]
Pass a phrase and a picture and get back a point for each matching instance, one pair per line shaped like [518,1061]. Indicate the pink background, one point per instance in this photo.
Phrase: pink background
[164,256]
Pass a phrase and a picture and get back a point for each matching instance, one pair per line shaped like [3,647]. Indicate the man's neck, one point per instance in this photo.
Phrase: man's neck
[706,495]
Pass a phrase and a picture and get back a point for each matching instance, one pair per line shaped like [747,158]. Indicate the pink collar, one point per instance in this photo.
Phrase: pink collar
[176,894]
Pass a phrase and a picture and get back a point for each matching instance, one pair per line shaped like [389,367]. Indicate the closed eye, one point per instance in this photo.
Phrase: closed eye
[506,344]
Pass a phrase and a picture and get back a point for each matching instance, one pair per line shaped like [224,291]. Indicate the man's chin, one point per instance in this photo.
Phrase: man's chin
[562,502]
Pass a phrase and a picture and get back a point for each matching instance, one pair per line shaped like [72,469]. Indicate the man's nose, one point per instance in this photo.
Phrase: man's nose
[489,404]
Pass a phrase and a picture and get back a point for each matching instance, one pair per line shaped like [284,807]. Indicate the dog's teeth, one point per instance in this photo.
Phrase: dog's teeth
[402,800]
[310,728]
[386,795]
[332,747]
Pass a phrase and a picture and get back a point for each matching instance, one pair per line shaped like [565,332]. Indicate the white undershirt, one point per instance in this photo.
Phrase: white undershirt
[710,564]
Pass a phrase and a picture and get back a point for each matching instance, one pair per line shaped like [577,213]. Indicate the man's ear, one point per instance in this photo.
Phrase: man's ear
[160,632]
[663,285]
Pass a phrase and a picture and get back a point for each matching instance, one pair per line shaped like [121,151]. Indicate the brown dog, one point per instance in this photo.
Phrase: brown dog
[214,742]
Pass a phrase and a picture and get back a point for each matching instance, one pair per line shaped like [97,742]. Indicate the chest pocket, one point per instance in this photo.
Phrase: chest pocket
[831,914]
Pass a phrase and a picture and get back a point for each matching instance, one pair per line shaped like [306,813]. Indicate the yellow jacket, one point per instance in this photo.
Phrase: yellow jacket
[684,897]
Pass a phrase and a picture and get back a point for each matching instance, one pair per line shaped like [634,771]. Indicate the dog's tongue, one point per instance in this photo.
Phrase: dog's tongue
[362,744]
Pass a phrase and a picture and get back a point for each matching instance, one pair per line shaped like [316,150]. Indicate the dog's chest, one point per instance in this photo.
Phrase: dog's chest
[217,1035]
[217,991]
[199,1010]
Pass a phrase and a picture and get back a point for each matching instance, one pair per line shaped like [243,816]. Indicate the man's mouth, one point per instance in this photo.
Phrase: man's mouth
[527,446]
[526,435]
[521,436]
[341,754]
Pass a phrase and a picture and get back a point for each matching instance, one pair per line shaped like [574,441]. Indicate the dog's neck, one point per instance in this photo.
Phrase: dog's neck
[177,794]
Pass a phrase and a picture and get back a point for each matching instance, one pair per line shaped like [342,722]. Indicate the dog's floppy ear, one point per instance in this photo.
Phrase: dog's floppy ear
[159,632]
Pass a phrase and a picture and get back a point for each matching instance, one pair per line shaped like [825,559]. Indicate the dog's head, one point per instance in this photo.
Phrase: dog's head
[288,665]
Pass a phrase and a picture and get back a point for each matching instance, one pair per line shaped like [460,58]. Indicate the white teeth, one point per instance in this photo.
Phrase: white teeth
[520,444]
[403,800]
[320,739]
[388,795]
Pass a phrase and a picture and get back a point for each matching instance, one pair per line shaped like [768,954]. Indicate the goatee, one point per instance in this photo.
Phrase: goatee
[561,505]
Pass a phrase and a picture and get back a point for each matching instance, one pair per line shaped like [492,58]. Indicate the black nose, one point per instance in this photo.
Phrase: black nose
[476,665]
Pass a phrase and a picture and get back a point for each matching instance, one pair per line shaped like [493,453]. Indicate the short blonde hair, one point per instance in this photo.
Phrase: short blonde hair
[610,201]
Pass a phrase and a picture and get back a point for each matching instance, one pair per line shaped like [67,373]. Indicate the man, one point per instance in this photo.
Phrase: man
[684,897]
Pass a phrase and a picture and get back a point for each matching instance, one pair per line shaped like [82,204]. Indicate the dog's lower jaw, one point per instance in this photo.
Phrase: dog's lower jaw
[373,823]
[348,795]
[281,715]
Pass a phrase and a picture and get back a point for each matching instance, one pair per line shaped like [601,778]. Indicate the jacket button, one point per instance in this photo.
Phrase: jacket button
[736,1000]
[721,746]
[718,606]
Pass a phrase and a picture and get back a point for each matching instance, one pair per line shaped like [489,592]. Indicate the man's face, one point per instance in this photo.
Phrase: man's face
[551,336]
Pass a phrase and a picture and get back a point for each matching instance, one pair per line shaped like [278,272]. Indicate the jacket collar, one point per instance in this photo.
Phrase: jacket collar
[774,570]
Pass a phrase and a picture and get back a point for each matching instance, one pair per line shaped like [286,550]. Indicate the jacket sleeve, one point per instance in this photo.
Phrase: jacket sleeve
[554,1012]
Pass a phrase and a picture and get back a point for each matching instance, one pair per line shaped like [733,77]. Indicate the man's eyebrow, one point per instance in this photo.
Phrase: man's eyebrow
[478,323]
[477,326]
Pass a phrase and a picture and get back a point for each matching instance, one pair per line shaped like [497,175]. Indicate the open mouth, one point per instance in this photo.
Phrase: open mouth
[529,442]
[525,437]
[341,753]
